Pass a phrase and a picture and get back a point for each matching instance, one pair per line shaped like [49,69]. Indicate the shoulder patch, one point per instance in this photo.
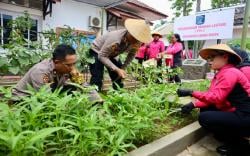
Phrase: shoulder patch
[45,78]
[114,47]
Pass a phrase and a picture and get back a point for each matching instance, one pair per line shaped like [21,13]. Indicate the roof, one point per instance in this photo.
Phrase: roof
[139,9]
[143,5]
[102,3]
[123,14]
[165,29]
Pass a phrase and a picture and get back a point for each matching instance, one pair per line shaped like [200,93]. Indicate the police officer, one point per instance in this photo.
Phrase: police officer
[105,49]
[51,72]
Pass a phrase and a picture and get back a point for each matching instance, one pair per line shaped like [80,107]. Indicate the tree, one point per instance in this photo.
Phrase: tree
[182,7]
[162,22]
[225,3]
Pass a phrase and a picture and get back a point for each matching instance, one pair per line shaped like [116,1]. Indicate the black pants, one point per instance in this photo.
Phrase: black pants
[97,71]
[176,77]
[140,60]
[228,127]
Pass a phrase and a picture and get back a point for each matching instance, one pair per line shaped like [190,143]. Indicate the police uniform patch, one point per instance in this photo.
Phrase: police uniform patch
[45,78]
[114,47]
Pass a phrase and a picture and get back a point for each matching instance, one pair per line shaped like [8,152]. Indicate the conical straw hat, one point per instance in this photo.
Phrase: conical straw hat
[156,33]
[206,52]
[139,30]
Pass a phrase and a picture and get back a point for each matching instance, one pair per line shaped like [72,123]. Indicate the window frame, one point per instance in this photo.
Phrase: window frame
[14,16]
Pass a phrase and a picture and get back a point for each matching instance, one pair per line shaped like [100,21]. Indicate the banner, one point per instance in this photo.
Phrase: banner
[206,26]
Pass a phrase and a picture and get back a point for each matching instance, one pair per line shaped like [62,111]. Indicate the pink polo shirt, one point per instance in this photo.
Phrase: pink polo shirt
[221,86]
[172,50]
[155,48]
[141,52]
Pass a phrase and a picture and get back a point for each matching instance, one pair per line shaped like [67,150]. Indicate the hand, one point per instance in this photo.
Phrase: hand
[184,92]
[187,108]
[121,73]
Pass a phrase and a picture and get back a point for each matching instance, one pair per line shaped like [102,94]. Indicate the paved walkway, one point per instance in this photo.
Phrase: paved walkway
[204,147]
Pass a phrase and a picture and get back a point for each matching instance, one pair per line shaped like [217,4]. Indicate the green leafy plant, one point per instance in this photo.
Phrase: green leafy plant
[237,42]
[59,124]
[151,74]
[20,53]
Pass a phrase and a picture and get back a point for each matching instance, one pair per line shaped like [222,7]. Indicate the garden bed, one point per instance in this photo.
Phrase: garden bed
[50,123]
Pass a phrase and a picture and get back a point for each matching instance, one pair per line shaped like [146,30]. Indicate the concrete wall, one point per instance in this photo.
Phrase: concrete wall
[67,12]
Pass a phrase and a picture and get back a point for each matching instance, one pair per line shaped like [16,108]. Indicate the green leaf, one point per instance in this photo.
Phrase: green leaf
[3,61]
[42,134]
[23,61]
[14,70]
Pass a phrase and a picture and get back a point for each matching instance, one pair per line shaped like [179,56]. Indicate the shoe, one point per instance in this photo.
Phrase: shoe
[95,98]
[223,150]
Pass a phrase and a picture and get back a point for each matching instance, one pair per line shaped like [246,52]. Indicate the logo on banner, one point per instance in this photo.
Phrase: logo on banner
[200,19]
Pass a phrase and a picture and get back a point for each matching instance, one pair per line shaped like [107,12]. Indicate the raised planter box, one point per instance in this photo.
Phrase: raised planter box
[173,143]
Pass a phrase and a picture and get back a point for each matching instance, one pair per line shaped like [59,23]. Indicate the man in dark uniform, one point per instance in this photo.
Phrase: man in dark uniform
[51,72]
[105,49]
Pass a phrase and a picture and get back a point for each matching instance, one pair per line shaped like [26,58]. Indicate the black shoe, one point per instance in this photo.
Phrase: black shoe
[223,150]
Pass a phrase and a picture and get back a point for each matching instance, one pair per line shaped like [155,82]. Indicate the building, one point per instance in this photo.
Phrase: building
[89,16]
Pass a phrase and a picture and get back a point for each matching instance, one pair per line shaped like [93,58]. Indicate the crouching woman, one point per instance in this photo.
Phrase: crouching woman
[225,107]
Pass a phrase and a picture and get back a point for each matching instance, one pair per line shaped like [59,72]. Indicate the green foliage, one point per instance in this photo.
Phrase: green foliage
[151,74]
[58,124]
[179,7]
[21,54]
[237,42]
[200,85]
[224,3]
[169,36]
[67,36]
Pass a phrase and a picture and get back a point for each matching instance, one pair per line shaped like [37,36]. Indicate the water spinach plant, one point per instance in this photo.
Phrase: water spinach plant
[60,124]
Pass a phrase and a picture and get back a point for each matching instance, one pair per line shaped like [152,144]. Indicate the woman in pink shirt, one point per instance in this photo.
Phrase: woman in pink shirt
[141,53]
[156,47]
[175,49]
[225,107]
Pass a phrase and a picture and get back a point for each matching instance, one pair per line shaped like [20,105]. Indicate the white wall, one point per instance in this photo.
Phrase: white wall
[72,13]
[237,32]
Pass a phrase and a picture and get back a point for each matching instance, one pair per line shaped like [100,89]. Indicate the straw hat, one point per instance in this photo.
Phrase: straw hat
[157,33]
[139,30]
[206,52]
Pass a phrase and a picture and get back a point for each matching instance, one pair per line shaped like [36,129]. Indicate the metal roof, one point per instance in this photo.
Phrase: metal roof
[103,3]
[141,9]
[127,8]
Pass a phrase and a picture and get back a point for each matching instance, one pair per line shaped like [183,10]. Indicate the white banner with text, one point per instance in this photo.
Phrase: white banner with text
[206,26]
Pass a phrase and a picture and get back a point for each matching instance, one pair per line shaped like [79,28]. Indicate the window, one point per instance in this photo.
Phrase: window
[5,28]
[32,33]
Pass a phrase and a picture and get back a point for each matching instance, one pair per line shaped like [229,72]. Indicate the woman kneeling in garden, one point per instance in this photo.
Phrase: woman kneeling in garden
[225,107]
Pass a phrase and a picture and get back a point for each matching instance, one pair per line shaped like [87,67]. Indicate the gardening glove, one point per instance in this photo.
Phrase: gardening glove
[184,92]
[187,108]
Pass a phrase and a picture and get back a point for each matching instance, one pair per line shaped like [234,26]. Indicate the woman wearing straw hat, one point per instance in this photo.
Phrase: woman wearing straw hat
[225,107]
[106,48]
[156,47]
